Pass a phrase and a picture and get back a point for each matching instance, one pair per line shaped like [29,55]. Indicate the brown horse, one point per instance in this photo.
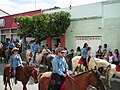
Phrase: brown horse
[78,82]
[23,75]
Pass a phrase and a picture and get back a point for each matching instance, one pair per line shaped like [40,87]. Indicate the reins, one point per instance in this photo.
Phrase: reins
[26,72]
[80,84]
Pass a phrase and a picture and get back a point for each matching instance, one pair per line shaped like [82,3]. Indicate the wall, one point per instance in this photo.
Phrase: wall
[111,10]
[98,19]
[83,27]
[88,10]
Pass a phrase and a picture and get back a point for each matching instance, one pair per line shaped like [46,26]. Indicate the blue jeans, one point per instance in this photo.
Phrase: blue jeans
[14,70]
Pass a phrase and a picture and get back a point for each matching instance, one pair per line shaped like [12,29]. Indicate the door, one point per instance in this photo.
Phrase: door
[93,42]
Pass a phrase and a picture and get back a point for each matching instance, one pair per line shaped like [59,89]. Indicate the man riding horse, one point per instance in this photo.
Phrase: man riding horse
[60,68]
[34,49]
[15,61]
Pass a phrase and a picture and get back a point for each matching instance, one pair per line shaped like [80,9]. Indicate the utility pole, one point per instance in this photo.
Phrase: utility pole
[35,4]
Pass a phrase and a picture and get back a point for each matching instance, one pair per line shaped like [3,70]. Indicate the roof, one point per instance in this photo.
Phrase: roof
[54,8]
[9,21]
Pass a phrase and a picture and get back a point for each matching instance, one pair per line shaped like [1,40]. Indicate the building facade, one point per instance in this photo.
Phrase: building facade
[95,24]
[8,28]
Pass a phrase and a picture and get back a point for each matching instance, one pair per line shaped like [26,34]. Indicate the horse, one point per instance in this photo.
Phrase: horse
[38,55]
[77,66]
[79,82]
[111,72]
[23,74]
[99,63]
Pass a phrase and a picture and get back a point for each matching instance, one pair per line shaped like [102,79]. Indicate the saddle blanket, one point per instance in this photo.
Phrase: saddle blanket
[80,62]
[117,68]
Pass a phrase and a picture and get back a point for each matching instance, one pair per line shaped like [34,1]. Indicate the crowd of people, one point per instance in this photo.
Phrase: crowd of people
[59,64]
[107,54]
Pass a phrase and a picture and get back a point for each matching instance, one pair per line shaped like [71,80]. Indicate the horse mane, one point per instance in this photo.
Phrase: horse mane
[83,73]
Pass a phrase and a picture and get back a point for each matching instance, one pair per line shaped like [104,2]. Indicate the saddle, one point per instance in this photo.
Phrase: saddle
[12,72]
[52,83]
[117,68]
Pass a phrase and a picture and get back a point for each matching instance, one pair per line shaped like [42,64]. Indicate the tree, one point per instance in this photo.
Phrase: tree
[43,25]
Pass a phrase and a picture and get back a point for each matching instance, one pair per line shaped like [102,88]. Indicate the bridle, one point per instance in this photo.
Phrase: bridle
[32,73]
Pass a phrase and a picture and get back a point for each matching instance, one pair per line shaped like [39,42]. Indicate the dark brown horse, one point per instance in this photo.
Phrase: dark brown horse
[50,57]
[23,75]
[78,82]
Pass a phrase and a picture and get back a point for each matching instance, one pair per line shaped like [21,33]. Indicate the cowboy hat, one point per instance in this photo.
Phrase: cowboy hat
[15,49]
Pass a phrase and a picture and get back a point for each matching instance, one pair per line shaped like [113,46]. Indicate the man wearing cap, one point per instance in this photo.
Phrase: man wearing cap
[60,68]
[15,61]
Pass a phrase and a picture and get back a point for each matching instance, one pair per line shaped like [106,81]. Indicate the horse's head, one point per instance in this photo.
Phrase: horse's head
[44,51]
[35,75]
[96,80]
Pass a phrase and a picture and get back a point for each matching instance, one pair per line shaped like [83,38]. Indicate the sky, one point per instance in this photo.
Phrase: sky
[20,6]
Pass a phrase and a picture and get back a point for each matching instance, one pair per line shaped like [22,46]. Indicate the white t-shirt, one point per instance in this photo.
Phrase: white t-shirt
[1,45]
[111,59]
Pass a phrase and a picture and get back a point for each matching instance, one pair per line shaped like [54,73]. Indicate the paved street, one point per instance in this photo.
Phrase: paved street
[33,86]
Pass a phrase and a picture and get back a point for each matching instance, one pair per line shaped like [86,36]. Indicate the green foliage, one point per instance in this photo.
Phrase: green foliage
[43,25]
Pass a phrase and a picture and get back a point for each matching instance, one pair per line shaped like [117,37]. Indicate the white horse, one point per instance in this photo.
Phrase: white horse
[91,65]
[111,72]
[77,66]
[98,63]
[38,56]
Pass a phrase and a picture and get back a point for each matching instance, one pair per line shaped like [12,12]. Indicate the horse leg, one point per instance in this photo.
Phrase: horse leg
[24,87]
[82,68]
[73,70]
[79,68]
[5,85]
[9,84]
[109,78]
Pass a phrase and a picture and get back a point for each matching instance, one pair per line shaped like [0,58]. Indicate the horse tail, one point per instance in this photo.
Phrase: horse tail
[4,77]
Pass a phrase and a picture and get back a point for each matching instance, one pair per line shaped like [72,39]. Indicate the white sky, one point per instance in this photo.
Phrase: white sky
[20,6]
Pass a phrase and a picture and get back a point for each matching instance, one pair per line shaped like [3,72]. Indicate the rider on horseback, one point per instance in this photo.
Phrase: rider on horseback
[60,68]
[34,49]
[11,45]
[15,61]
[84,54]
